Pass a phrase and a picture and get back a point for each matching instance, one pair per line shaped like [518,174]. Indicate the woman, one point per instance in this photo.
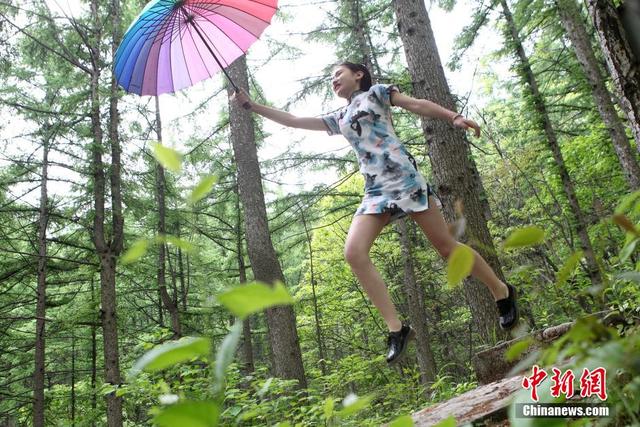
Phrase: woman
[394,187]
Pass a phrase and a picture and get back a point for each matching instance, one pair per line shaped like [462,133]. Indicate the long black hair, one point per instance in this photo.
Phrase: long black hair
[365,81]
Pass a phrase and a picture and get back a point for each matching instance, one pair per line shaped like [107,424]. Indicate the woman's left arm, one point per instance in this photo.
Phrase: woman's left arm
[427,108]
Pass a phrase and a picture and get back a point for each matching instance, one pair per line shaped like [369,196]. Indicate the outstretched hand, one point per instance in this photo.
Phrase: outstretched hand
[465,123]
[241,97]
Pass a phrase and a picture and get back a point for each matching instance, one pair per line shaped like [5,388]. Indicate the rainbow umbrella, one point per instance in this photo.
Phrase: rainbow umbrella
[174,44]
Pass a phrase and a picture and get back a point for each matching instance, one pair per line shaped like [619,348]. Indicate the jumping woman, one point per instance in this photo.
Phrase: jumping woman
[394,188]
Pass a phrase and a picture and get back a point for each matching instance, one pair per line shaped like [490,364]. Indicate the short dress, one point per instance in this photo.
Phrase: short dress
[392,180]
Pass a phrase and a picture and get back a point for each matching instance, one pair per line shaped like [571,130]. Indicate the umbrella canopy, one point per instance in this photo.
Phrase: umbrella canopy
[174,44]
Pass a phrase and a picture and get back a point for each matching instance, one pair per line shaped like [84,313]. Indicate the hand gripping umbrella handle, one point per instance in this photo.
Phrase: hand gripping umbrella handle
[246,105]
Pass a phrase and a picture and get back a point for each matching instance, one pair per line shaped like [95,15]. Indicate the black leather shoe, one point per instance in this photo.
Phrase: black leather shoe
[398,341]
[508,309]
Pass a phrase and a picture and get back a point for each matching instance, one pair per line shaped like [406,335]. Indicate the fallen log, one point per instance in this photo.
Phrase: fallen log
[489,401]
[490,365]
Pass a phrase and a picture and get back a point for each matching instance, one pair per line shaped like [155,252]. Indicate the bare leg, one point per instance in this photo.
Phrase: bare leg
[435,228]
[362,233]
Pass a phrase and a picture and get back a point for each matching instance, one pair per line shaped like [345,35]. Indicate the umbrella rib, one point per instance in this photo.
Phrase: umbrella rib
[163,25]
[168,25]
[218,1]
[195,5]
[156,17]
[198,50]
[146,60]
[230,38]
[133,36]
[210,45]
[176,33]
[133,67]
[181,12]
[263,4]
[196,27]
[175,17]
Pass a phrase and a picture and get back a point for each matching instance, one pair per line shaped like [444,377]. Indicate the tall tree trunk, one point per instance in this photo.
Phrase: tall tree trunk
[316,311]
[73,378]
[41,300]
[117,217]
[621,61]
[174,279]
[188,279]
[281,320]
[455,173]
[360,31]
[417,311]
[94,357]
[544,122]
[107,249]
[168,302]
[571,19]
[248,365]
[110,337]
[160,309]
[183,288]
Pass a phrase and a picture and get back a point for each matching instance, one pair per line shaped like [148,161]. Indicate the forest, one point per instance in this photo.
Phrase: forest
[178,260]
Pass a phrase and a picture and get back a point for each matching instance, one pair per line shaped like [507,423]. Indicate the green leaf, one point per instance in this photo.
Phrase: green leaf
[167,157]
[328,407]
[135,252]
[459,264]
[625,223]
[249,414]
[353,404]
[525,236]
[447,422]
[225,355]
[627,250]
[265,387]
[626,202]
[515,350]
[178,242]
[632,276]
[402,421]
[121,391]
[203,188]
[568,267]
[192,414]
[245,300]
[170,353]
[108,389]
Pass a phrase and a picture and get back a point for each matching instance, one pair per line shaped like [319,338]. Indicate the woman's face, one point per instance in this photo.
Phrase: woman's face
[344,81]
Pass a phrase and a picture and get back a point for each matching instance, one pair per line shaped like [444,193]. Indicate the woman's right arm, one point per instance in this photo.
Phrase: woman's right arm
[279,116]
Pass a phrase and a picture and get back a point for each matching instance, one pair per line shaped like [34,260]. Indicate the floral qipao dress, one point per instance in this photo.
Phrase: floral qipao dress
[392,180]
